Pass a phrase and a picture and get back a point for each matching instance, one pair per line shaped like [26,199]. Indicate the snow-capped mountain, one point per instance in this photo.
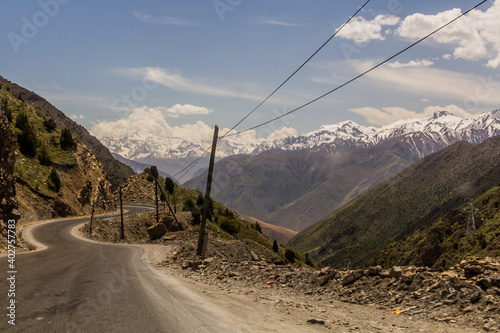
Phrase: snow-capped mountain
[442,127]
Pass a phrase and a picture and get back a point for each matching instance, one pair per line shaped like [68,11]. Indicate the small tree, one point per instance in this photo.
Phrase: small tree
[170,188]
[308,261]
[275,246]
[49,124]
[66,140]
[290,255]
[43,156]
[153,171]
[258,227]
[26,135]
[54,182]
[231,226]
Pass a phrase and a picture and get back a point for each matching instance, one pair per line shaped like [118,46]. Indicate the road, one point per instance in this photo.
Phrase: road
[75,285]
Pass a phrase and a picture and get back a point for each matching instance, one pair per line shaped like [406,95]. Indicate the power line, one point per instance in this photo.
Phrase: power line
[360,75]
[186,169]
[298,69]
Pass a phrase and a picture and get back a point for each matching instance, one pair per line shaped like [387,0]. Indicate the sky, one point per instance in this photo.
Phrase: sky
[185,66]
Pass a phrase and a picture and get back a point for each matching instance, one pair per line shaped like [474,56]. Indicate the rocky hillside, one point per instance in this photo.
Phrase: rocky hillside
[415,198]
[56,175]
[116,172]
[8,201]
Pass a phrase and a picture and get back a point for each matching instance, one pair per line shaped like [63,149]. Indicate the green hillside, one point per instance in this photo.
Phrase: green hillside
[415,198]
[448,240]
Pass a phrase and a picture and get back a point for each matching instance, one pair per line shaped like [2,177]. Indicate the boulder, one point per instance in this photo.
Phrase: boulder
[352,277]
[157,231]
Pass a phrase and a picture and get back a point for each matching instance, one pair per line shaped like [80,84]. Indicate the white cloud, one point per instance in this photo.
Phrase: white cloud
[165,20]
[77,116]
[270,21]
[188,109]
[389,115]
[145,122]
[361,30]
[412,63]
[474,36]
[176,81]
[432,82]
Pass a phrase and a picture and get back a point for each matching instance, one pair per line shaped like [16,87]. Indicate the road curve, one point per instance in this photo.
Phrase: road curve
[74,285]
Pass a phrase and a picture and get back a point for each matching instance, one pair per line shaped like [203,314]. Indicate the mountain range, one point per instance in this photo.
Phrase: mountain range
[295,182]
[421,209]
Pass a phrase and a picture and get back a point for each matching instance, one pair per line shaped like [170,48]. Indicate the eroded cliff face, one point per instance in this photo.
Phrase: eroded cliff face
[8,202]
[83,182]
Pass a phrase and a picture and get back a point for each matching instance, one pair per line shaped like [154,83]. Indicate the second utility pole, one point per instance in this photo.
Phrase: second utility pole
[202,241]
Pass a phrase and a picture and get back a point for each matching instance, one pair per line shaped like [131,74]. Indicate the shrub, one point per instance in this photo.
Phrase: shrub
[258,227]
[290,255]
[43,156]
[53,181]
[66,140]
[26,135]
[231,226]
[50,124]
[275,246]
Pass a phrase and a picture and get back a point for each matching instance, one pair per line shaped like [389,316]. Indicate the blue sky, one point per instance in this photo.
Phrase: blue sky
[199,63]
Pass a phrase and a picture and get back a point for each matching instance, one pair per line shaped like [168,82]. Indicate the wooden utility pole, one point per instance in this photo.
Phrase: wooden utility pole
[170,208]
[91,218]
[156,200]
[202,241]
[122,235]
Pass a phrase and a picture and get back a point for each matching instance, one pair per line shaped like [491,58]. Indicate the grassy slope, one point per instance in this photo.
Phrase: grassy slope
[414,198]
[36,198]
[116,172]
[446,241]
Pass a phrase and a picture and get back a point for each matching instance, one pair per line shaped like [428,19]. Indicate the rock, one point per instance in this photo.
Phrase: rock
[233,274]
[327,277]
[375,270]
[195,264]
[472,270]
[156,231]
[316,322]
[255,257]
[208,260]
[475,297]
[489,282]
[396,272]
[449,275]
[352,277]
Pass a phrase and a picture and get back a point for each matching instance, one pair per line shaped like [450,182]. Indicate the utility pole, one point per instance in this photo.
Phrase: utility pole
[122,235]
[471,225]
[91,218]
[170,208]
[202,241]
[156,201]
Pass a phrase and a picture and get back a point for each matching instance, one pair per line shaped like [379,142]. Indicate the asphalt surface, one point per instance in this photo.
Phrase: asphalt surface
[76,285]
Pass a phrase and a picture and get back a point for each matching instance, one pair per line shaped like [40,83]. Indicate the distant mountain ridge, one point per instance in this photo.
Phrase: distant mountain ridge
[442,126]
[172,154]
[297,181]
